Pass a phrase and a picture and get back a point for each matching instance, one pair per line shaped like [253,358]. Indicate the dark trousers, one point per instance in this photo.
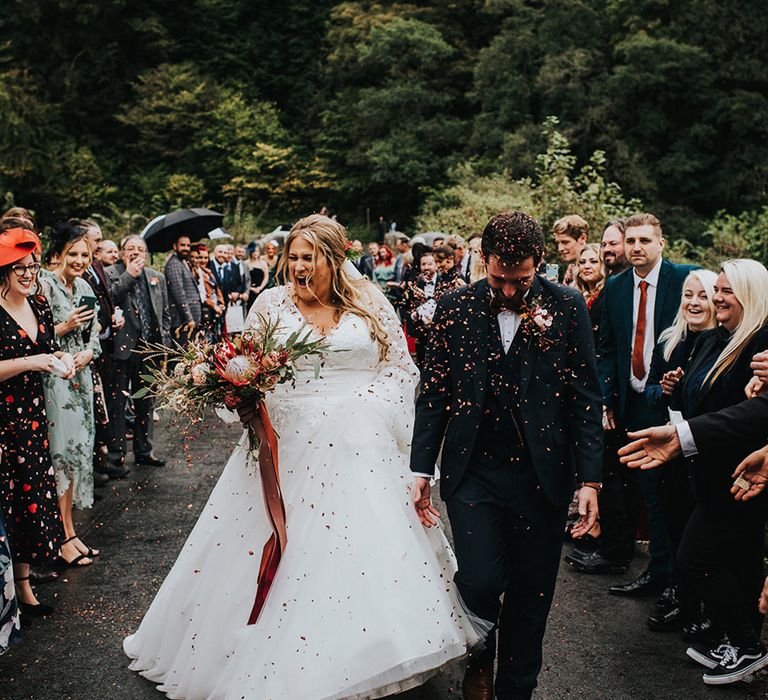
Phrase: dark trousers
[125,381]
[619,503]
[678,502]
[102,391]
[721,558]
[638,415]
[508,538]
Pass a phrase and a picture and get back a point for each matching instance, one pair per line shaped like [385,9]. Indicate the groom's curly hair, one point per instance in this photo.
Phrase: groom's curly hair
[513,236]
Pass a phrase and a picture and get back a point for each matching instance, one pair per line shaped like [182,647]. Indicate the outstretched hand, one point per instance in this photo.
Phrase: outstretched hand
[422,502]
[764,598]
[588,511]
[751,476]
[650,448]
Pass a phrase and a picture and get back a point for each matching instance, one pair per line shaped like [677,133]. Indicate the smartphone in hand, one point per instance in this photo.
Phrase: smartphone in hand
[90,302]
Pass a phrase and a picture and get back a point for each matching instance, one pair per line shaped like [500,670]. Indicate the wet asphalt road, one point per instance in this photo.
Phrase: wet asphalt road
[597,646]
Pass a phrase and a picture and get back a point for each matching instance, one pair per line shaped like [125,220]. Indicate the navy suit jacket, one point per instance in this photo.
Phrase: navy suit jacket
[615,347]
[559,391]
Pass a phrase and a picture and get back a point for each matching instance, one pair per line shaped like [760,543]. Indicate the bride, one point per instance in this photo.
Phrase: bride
[363,604]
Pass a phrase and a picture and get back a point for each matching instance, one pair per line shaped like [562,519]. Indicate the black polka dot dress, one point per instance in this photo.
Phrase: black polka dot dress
[30,508]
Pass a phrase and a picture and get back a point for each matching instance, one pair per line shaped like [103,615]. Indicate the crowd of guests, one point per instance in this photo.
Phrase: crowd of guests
[417,275]
[672,342]
[77,323]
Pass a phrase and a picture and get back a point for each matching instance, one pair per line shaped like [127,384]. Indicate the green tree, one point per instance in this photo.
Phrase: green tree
[389,133]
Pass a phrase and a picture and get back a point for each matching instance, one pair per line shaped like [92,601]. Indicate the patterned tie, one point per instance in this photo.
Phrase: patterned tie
[638,360]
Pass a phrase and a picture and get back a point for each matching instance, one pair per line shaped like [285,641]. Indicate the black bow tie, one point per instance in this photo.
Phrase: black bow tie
[501,303]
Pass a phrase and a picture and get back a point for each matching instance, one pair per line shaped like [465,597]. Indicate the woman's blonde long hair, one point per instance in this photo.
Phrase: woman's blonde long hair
[329,239]
[678,331]
[580,285]
[749,282]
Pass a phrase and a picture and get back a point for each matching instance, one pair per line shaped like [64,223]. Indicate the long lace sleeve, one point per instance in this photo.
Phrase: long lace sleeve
[397,376]
[265,306]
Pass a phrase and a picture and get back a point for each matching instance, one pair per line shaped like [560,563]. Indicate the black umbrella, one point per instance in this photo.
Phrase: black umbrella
[161,233]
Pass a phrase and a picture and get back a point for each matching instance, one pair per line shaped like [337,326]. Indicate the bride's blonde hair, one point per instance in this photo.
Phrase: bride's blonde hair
[329,239]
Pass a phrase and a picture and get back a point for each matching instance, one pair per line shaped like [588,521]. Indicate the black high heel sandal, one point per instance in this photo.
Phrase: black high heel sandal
[38,611]
[92,553]
[73,563]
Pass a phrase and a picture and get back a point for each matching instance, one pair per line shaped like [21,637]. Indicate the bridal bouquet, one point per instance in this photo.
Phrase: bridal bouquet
[238,372]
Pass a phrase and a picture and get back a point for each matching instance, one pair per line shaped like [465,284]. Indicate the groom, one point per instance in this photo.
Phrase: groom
[510,390]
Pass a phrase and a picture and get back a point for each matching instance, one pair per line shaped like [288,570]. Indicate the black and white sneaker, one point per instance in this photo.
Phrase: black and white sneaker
[706,655]
[737,665]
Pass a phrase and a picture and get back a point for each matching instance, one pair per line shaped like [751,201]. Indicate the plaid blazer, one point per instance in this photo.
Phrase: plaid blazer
[183,294]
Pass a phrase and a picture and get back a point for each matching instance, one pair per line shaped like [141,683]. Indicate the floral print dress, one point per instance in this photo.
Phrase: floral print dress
[10,623]
[30,509]
[69,402]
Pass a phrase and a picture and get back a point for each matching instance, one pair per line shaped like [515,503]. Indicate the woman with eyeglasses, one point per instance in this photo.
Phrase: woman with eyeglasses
[28,351]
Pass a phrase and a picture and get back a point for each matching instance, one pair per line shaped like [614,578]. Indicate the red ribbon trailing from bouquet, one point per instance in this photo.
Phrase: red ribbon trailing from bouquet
[273,500]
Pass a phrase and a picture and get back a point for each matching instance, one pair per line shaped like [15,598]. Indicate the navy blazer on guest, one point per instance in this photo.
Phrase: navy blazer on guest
[615,348]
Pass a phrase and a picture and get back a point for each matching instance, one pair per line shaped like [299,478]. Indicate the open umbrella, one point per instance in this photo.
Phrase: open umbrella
[161,233]
[218,233]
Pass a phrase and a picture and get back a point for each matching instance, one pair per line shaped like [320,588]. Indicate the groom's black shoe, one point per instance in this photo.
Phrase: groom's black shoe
[595,563]
[478,684]
[643,585]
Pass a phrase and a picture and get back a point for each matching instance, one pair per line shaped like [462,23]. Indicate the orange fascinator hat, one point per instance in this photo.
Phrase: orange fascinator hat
[15,244]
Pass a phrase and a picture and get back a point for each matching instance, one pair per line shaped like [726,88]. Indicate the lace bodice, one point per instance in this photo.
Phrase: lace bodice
[350,371]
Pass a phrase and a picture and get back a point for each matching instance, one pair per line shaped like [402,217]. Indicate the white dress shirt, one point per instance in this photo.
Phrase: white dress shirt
[465,263]
[509,322]
[687,443]
[652,278]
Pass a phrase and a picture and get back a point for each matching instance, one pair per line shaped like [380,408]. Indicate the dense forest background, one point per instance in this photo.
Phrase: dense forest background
[424,112]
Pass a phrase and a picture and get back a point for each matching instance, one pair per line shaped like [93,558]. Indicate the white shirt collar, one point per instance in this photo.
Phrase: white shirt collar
[652,278]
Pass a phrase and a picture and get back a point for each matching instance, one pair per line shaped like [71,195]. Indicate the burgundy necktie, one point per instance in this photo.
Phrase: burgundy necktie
[638,359]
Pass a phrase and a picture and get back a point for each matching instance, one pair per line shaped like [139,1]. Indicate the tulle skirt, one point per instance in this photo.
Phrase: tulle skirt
[363,604]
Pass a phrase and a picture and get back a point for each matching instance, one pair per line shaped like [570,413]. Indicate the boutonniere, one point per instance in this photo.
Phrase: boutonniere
[153,281]
[536,320]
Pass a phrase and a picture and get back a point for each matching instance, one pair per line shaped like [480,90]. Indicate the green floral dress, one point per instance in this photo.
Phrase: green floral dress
[69,402]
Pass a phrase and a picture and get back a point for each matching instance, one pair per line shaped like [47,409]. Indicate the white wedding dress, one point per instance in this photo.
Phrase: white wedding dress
[363,604]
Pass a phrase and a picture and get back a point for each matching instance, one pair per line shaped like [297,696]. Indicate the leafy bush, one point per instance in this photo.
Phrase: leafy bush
[557,188]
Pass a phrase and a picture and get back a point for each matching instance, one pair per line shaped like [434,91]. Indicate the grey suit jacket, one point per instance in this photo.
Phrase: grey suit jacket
[183,294]
[122,288]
